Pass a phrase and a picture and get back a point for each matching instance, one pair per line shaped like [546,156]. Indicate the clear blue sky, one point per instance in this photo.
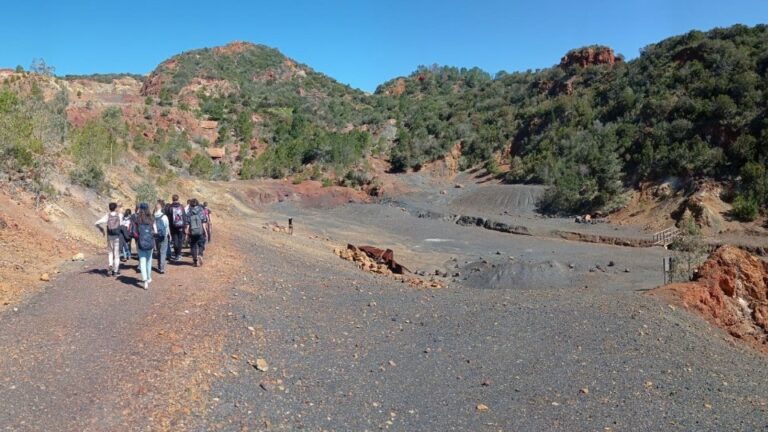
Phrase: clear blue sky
[362,43]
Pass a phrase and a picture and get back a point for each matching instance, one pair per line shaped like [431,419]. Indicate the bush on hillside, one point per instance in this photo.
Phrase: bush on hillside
[745,208]
[90,175]
[146,192]
[201,167]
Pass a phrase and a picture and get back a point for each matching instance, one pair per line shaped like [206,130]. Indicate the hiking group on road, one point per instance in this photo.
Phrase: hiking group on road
[161,233]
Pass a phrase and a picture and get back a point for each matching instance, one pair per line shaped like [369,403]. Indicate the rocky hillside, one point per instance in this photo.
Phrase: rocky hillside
[593,126]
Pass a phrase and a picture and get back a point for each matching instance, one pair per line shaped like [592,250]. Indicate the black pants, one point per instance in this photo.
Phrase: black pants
[177,238]
[197,246]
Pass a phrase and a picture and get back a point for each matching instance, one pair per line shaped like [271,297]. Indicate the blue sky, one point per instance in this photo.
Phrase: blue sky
[361,43]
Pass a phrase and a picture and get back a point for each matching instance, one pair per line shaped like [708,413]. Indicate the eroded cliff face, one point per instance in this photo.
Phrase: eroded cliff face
[730,291]
[589,56]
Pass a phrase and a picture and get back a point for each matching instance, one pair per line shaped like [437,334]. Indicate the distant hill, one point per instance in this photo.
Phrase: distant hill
[690,106]
[304,115]
[592,126]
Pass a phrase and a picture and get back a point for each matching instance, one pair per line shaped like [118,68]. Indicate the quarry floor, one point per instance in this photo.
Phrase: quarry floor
[530,333]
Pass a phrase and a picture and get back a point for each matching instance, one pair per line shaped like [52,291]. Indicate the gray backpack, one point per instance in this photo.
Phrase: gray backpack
[196,221]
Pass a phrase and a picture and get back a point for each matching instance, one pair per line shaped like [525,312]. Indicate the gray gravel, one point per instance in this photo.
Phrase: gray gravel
[356,351]
[562,342]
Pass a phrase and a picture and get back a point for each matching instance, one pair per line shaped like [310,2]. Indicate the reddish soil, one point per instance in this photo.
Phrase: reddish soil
[731,292]
[33,245]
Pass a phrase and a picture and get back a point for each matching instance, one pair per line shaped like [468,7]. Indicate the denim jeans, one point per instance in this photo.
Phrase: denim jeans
[162,250]
[126,249]
[145,264]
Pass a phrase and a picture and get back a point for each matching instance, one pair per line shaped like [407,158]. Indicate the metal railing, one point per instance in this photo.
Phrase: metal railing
[665,237]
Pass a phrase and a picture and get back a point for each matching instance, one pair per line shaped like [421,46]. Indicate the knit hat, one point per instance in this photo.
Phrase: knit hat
[144,206]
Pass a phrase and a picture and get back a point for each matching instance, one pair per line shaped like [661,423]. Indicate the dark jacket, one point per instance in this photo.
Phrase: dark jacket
[169,213]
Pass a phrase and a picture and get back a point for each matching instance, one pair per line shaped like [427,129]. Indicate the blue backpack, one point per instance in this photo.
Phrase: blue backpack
[146,237]
[161,228]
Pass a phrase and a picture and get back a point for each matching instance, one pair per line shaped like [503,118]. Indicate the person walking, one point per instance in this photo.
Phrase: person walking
[145,233]
[178,222]
[197,232]
[112,232]
[207,213]
[163,236]
[125,239]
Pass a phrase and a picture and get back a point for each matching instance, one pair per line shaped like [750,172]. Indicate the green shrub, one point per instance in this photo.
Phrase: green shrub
[95,143]
[140,144]
[201,166]
[356,178]
[222,172]
[492,167]
[146,192]
[250,169]
[23,157]
[327,182]
[90,176]
[156,162]
[745,208]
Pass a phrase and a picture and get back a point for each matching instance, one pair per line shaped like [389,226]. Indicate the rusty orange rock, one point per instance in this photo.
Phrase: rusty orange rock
[730,291]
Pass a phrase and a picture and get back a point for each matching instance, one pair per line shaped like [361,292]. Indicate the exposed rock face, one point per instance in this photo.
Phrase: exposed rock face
[589,56]
[396,89]
[155,80]
[731,291]
[216,152]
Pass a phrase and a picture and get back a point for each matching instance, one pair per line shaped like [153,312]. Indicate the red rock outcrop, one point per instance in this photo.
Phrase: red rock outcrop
[730,291]
[396,89]
[589,56]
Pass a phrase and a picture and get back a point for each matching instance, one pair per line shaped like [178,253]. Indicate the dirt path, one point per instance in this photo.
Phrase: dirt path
[348,350]
[96,353]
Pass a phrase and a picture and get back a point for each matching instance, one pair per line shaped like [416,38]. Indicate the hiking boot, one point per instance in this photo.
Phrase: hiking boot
[200,261]
[116,274]
[146,285]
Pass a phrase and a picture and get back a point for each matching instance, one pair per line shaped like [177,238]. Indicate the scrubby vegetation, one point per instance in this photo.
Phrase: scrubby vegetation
[690,106]
[32,132]
[303,112]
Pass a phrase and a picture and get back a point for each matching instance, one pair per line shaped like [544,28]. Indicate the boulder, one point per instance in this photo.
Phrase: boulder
[209,124]
[216,152]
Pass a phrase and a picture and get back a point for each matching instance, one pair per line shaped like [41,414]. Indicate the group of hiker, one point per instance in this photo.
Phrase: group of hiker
[162,231]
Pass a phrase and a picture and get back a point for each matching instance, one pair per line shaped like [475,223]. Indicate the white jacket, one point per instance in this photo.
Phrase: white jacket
[161,218]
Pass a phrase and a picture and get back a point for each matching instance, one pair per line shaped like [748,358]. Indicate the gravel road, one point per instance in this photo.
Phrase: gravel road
[352,351]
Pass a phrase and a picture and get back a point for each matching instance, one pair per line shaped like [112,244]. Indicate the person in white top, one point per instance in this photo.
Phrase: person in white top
[109,224]
[163,235]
